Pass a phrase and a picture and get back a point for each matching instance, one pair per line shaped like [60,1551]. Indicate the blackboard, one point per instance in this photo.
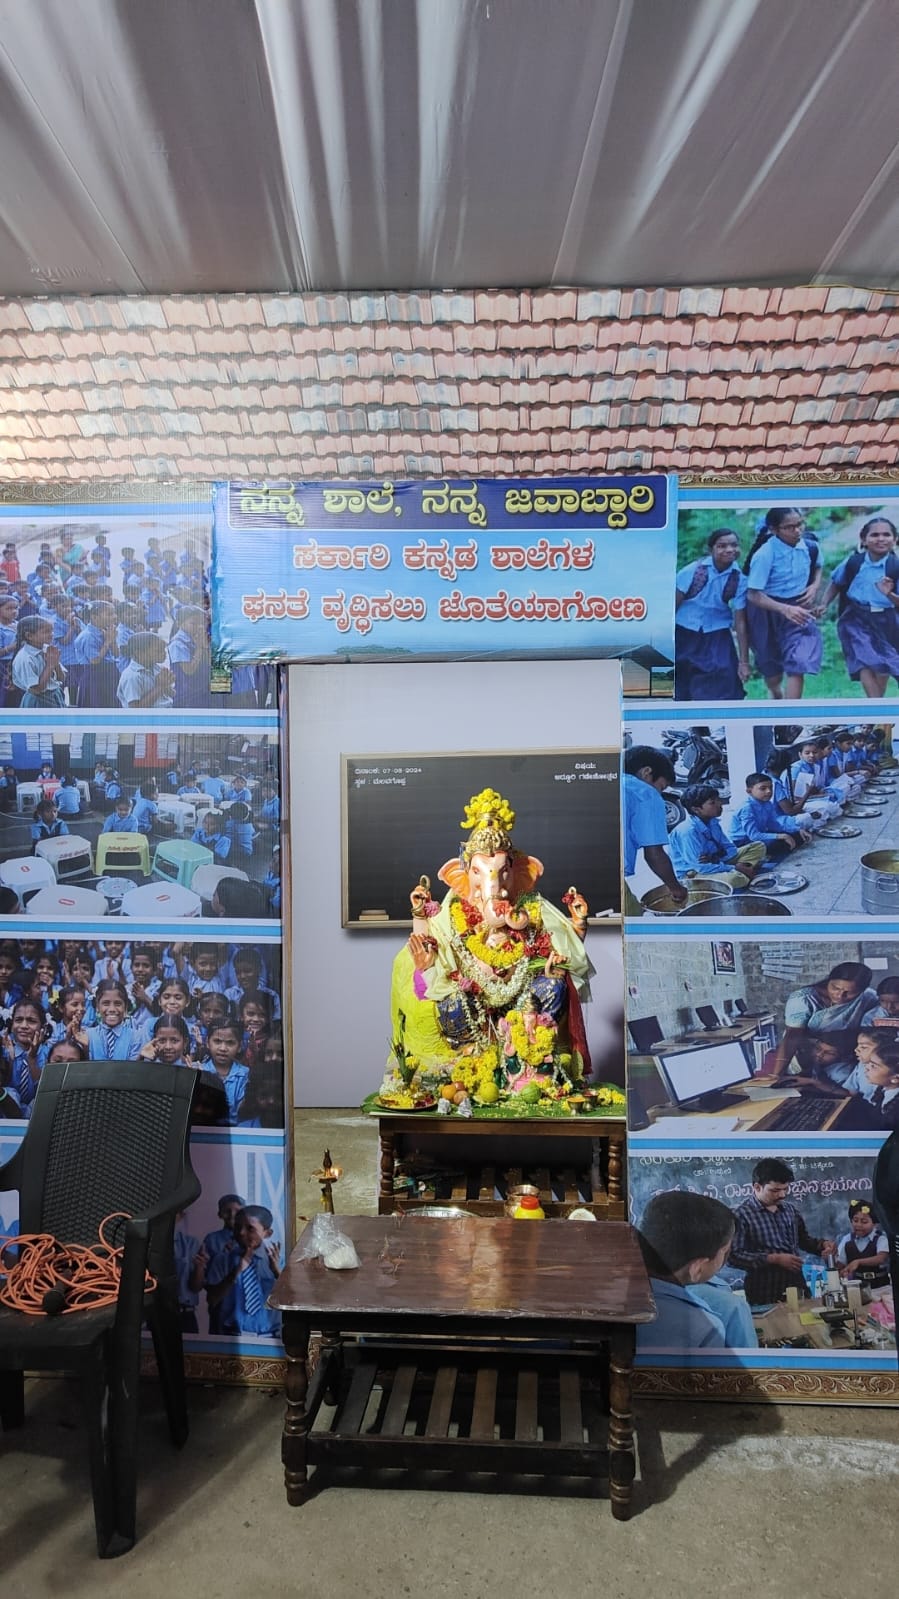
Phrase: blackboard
[402,816]
[824,1183]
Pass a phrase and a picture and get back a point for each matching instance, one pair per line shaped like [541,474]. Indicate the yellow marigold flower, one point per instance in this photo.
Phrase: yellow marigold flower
[486,807]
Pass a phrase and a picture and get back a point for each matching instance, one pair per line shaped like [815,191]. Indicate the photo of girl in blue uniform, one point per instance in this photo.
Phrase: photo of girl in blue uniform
[867,584]
[779,602]
[710,606]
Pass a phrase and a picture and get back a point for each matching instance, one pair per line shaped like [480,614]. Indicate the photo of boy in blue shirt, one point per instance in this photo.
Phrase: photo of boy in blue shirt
[240,1278]
[701,848]
[686,1239]
[759,821]
[647,774]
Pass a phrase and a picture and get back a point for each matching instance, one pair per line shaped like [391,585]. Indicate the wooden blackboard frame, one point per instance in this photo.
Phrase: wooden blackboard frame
[486,761]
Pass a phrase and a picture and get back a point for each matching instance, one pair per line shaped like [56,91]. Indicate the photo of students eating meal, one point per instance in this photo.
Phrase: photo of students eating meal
[738,818]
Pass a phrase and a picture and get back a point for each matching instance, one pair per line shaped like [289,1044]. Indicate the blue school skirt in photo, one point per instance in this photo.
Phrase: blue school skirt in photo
[869,639]
[780,646]
[705,665]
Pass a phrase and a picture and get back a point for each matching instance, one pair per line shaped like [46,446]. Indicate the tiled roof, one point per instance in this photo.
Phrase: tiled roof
[455,384]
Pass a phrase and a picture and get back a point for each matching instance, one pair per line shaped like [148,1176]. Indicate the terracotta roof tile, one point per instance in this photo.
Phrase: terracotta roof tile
[585,380]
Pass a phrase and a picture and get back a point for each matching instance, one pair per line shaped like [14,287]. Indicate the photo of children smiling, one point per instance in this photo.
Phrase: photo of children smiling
[789,1038]
[786,601]
[215,1008]
[746,818]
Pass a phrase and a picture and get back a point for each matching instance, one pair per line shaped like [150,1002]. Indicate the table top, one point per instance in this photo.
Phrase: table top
[486,1270]
[506,1116]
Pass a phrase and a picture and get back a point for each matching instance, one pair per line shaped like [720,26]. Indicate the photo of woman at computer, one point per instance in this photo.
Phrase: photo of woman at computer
[794,1041]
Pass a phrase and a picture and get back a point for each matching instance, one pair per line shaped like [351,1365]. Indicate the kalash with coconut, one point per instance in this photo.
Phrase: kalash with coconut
[486,995]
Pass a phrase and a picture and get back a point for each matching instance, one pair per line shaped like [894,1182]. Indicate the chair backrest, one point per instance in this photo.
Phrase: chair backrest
[645,1031]
[105,1136]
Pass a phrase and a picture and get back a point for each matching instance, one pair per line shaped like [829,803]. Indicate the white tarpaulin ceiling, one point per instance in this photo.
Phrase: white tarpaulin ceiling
[204,145]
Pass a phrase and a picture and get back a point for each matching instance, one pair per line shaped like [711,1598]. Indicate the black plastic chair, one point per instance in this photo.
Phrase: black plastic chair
[106,1136]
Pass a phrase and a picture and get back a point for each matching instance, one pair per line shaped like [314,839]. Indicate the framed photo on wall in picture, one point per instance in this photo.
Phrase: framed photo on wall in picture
[724,959]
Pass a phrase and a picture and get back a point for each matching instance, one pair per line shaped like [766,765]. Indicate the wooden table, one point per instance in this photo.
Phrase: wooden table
[474,1187]
[443,1377]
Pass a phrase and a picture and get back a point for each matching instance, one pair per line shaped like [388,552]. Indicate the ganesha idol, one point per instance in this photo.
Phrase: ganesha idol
[486,996]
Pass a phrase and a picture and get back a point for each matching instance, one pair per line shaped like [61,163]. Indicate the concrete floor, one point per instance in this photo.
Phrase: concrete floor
[732,1500]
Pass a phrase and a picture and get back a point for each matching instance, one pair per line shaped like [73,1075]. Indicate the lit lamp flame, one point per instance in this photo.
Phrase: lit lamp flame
[327,1175]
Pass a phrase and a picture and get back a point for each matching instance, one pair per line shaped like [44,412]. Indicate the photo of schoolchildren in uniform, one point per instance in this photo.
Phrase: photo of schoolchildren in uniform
[229,1246]
[665,822]
[799,1038]
[109,609]
[212,1007]
[162,825]
[795,819]
[748,1254]
[780,601]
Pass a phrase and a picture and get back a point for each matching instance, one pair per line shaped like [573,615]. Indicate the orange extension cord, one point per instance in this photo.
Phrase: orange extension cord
[72,1276]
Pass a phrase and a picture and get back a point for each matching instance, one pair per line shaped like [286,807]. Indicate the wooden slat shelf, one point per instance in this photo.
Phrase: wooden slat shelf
[465,1410]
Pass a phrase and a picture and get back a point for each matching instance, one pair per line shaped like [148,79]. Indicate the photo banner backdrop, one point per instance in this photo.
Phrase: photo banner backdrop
[513,568]
[763,1011]
[140,869]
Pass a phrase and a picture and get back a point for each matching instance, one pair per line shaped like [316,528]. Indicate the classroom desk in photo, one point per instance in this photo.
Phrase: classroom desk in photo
[739,1032]
[431,1351]
[758,1112]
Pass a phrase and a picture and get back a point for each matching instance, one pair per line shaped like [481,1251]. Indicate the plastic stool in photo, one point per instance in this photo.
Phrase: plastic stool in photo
[161,902]
[27,796]
[206,879]
[179,810]
[70,856]
[66,900]
[201,802]
[176,859]
[25,874]
[117,852]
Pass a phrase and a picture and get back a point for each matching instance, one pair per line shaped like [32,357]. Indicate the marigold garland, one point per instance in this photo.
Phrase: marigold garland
[531,1051]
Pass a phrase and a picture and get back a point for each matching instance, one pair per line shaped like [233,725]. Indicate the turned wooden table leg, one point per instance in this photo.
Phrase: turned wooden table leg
[622,1455]
[386,1199]
[332,1352]
[296,1423]
[615,1149]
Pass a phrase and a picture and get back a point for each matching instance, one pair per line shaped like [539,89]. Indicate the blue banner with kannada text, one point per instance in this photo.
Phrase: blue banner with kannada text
[484,569]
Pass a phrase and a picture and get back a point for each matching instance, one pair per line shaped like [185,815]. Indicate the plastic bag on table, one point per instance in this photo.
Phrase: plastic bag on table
[327,1243]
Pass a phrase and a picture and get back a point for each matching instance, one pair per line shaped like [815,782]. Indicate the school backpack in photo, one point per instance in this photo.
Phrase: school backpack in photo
[809,539]
[854,566]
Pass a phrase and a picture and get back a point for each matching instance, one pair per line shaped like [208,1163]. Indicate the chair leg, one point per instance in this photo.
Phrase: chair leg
[12,1399]
[124,1411]
[95,1396]
[168,1347]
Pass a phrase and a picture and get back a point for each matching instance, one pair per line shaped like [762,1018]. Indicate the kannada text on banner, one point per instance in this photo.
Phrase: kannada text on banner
[569,567]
